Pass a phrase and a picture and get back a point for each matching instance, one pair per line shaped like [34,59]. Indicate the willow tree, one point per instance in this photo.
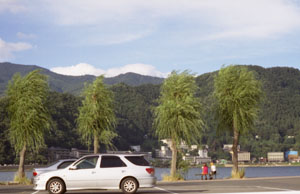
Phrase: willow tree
[28,116]
[177,117]
[238,94]
[96,121]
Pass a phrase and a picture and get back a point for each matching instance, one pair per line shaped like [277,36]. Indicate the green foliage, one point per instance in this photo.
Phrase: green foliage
[133,111]
[182,166]
[63,110]
[238,94]
[7,153]
[96,119]
[28,115]
[178,115]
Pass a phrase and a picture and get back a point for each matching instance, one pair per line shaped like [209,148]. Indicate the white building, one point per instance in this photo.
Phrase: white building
[164,152]
[244,157]
[136,148]
[203,153]
[228,147]
[275,156]
[196,160]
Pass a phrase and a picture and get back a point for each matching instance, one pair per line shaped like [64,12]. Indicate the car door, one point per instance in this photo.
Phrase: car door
[82,174]
[112,170]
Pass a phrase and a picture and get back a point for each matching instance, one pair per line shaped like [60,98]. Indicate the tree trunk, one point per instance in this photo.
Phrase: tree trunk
[174,158]
[96,144]
[21,170]
[236,135]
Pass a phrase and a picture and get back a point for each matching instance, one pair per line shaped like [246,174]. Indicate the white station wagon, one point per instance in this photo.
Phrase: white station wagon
[102,171]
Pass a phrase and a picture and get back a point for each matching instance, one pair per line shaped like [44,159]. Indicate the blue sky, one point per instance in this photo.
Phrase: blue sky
[150,37]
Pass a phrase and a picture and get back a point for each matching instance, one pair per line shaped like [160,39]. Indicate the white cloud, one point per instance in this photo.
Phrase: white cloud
[111,38]
[254,18]
[213,19]
[13,6]
[79,69]
[122,21]
[22,35]
[87,69]
[8,48]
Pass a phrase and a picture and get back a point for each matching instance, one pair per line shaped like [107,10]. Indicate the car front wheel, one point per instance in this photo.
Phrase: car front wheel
[129,186]
[56,186]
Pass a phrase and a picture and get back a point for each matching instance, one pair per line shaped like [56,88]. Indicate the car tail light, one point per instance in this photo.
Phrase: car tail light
[150,170]
[34,173]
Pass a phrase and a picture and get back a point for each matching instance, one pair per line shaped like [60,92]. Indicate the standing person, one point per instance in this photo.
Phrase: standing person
[204,171]
[213,170]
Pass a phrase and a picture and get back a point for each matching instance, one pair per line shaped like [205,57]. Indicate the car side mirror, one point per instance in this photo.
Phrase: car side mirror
[73,168]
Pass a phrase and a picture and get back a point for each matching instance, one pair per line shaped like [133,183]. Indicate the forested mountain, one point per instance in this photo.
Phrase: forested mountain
[278,125]
[277,128]
[70,84]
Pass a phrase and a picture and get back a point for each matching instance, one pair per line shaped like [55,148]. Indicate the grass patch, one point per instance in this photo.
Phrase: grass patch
[169,178]
[3,183]
[22,180]
[295,164]
[238,175]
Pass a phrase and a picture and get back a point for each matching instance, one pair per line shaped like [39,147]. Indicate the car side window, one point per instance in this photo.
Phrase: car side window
[138,160]
[87,163]
[111,162]
[64,164]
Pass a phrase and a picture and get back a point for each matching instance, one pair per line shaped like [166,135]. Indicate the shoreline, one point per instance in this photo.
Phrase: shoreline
[264,165]
[13,183]
[12,168]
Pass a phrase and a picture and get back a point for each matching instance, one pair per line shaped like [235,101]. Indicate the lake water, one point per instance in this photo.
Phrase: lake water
[9,176]
[225,172]
[222,172]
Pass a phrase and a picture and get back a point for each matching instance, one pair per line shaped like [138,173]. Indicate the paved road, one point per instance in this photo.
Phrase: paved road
[280,185]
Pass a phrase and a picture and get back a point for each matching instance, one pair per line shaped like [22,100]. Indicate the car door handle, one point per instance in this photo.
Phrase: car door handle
[123,171]
[93,172]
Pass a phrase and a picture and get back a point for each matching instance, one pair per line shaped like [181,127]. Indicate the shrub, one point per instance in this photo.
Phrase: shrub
[23,180]
[238,175]
[177,177]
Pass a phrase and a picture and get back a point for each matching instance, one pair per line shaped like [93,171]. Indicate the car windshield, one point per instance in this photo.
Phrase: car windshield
[87,163]
[65,164]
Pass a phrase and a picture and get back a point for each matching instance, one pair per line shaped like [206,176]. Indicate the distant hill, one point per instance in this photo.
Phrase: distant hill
[133,79]
[70,84]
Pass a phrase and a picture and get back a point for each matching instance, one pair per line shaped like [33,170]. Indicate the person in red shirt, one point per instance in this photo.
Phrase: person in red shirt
[204,171]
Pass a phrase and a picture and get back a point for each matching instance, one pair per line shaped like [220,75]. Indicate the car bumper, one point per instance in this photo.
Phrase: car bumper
[39,184]
[147,182]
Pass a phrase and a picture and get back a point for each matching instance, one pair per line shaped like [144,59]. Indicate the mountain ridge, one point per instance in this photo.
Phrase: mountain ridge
[67,83]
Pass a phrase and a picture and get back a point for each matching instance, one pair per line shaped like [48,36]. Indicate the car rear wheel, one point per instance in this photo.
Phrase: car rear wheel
[56,186]
[129,186]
